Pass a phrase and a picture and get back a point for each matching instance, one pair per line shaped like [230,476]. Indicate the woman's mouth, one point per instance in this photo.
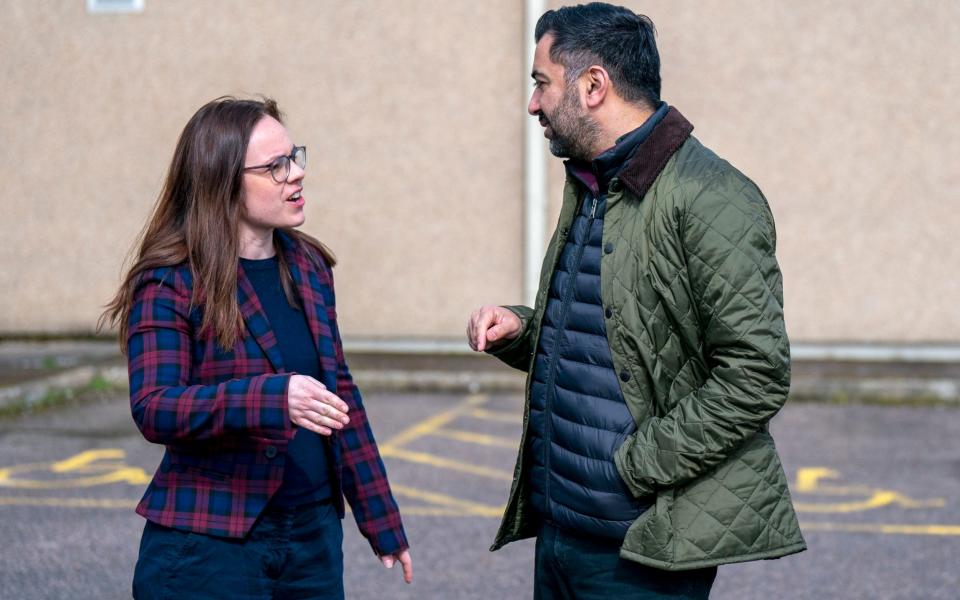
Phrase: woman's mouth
[296,198]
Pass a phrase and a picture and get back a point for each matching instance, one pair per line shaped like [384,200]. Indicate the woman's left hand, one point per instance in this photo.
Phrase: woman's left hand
[403,556]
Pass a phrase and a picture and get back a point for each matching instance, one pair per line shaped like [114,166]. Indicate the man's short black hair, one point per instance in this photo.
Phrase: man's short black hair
[614,37]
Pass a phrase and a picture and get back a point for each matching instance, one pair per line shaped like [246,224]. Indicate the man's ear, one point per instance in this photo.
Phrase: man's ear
[597,85]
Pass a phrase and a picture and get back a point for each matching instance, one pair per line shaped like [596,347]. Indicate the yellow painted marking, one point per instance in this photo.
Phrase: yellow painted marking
[464,507]
[103,473]
[809,482]
[84,459]
[430,425]
[477,438]
[453,507]
[392,448]
[887,529]
[132,476]
[456,510]
[808,479]
[503,417]
[445,463]
[67,502]
[879,499]
[94,503]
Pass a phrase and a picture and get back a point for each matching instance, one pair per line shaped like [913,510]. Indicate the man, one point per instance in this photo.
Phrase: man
[656,351]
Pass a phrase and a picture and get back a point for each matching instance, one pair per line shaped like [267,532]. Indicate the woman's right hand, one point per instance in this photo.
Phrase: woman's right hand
[314,407]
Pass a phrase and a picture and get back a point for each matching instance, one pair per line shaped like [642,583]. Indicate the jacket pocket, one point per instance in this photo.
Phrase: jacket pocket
[200,471]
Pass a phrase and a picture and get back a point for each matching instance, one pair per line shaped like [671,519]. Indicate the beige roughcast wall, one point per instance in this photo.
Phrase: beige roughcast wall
[845,113]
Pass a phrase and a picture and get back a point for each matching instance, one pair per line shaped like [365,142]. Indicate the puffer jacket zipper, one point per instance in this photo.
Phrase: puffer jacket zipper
[555,353]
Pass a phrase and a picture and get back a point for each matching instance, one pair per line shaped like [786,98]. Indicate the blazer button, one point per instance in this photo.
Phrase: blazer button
[624,376]
[270,451]
[608,312]
[608,248]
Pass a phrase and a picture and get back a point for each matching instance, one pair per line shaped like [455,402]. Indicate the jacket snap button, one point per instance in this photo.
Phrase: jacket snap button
[270,451]
[608,248]
[615,187]
[624,376]
[608,312]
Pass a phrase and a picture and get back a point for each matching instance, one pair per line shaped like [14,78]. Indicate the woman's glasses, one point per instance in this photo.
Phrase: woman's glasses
[280,166]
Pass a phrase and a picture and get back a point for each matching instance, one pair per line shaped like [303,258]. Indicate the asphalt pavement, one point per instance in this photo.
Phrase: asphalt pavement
[877,489]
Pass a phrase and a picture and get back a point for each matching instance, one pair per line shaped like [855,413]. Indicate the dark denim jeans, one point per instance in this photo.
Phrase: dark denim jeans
[290,553]
[575,567]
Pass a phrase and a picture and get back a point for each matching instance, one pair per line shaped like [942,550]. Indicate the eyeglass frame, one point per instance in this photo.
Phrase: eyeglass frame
[287,159]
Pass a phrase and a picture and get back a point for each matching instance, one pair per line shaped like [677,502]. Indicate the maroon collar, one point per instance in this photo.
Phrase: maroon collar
[652,155]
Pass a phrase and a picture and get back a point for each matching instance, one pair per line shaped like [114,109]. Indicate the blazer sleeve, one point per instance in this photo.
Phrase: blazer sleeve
[729,240]
[363,473]
[165,407]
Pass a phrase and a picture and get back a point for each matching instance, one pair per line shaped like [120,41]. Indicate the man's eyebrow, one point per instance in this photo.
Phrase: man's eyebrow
[535,74]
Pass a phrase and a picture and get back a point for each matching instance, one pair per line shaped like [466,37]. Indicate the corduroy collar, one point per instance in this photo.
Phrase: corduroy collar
[652,155]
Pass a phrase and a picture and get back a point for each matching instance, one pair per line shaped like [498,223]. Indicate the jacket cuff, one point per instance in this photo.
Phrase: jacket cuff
[516,353]
[638,486]
[389,542]
[278,385]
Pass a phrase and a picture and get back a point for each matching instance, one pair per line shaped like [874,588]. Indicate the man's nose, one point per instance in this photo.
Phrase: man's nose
[533,107]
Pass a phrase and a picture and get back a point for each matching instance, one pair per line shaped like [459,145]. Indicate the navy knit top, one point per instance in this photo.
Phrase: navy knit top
[306,476]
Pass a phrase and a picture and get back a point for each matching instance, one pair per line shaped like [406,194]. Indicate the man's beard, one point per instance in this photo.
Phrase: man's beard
[574,132]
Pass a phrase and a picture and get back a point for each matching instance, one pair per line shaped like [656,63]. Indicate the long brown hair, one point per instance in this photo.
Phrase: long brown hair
[196,219]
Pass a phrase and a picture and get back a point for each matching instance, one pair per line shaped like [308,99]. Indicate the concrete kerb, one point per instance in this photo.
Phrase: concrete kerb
[52,390]
[35,374]
[40,374]
[55,389]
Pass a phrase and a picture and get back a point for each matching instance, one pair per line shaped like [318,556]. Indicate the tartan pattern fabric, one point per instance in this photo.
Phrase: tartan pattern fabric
[223,417]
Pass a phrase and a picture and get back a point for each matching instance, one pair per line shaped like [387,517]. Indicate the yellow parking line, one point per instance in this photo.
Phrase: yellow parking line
[465,507]
[66,502]
[454,507]
[426,427]
[489,415]
[425,511]
[445,463]
[477,438]
[100,462]
[878,499]
[78,461]
[884,528]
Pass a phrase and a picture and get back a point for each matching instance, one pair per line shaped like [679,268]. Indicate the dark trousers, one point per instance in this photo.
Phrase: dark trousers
[578,568]
[290,553]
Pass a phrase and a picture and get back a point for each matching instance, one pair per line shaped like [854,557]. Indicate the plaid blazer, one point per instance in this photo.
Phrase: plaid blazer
[223,415]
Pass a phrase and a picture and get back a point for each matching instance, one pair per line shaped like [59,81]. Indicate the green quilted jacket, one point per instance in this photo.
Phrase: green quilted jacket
[698,341]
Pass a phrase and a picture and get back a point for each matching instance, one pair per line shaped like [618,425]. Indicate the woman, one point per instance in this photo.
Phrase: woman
[228,320]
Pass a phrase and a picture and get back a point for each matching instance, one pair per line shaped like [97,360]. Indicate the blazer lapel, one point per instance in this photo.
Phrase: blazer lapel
[256,320]
[306,280]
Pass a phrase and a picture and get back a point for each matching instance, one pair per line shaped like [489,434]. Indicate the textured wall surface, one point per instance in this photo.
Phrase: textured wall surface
[409,109]
[844,113]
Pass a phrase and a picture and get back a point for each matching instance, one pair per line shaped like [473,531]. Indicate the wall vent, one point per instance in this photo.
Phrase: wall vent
[114,6]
